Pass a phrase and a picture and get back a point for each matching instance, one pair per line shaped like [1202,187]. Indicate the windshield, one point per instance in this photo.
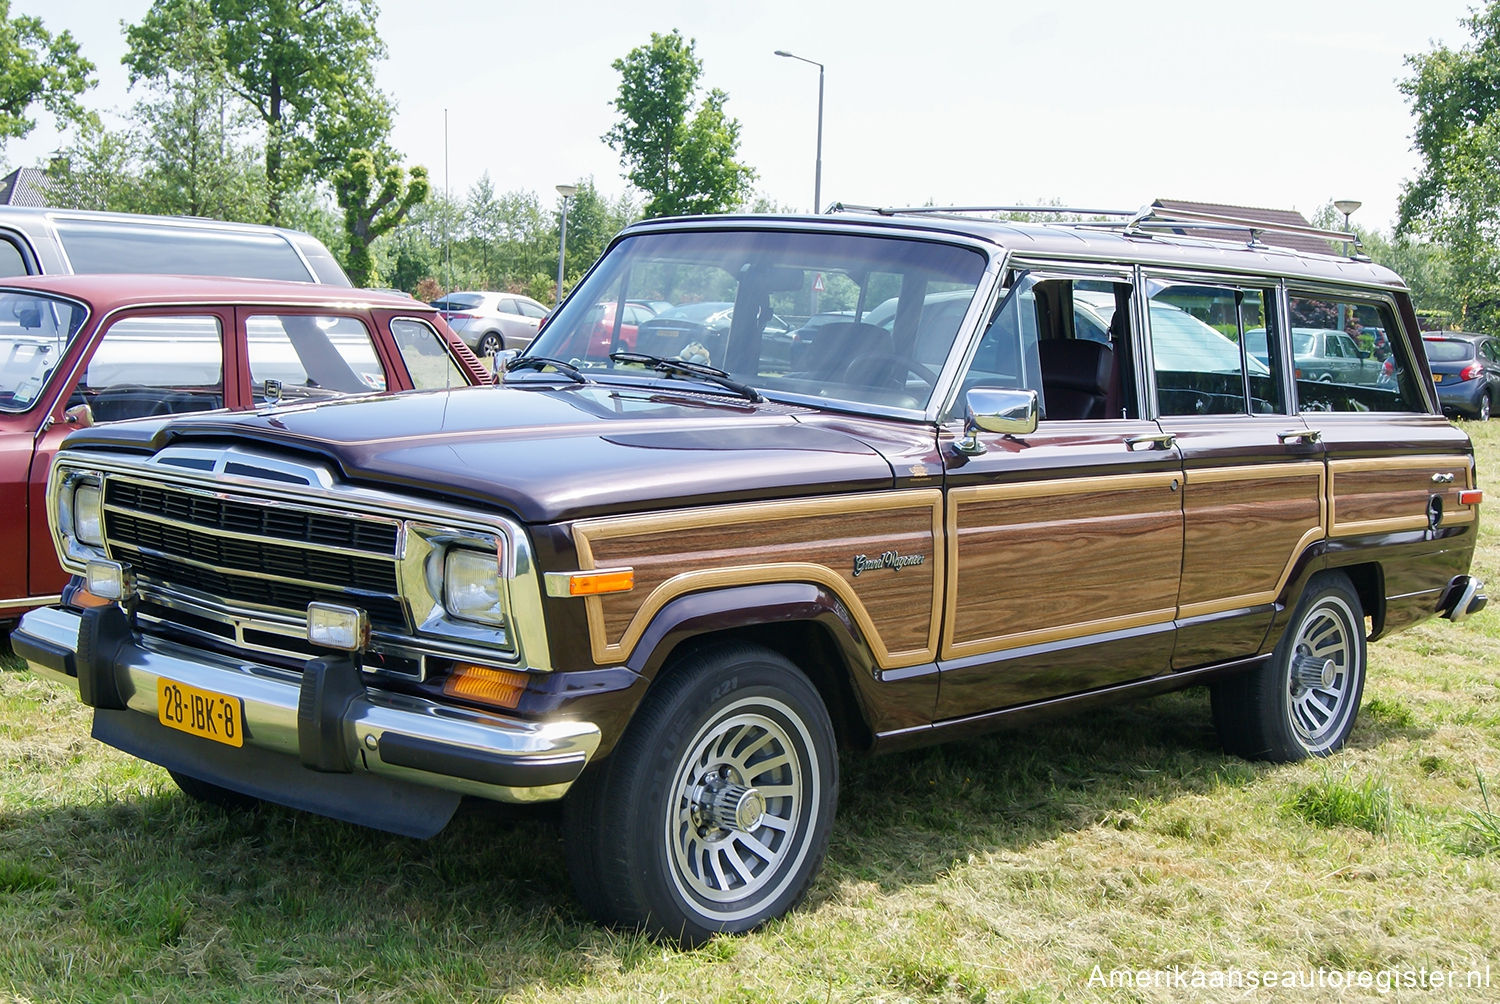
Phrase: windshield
[34,333]
[864,320]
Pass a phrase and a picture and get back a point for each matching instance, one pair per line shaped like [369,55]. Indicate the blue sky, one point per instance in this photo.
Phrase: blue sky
[1101,104]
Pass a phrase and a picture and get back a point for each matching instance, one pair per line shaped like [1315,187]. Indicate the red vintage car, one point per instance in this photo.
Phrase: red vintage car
[81,350]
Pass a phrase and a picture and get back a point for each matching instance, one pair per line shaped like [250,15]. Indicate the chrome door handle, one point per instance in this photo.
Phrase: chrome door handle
[1308,436]
[1165,441]
[1442,479]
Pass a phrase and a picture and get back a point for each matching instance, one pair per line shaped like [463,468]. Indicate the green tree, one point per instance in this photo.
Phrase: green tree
[592,221]
[685,160]
[1455,198]
[375,194]
[96,171]
[298,64]
[37,67]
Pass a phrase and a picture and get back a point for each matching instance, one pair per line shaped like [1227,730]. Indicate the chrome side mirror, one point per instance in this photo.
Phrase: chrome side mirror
[80,415]
[500,360]
[988,409]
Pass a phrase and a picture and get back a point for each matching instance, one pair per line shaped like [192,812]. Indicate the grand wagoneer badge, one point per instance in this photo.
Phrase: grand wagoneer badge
[888,559]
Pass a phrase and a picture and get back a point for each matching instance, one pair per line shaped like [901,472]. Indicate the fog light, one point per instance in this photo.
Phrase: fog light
[109,580]
[333,626]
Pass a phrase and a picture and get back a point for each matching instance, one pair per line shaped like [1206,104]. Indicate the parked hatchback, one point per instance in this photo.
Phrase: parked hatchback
[1466,369]
[77,351]
[490,321]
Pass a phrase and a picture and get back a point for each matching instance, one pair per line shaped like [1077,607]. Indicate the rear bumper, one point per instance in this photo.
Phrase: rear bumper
[318,725]
[1462,396]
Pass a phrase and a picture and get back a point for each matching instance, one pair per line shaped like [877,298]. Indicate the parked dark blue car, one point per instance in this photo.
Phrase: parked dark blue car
[1466,370]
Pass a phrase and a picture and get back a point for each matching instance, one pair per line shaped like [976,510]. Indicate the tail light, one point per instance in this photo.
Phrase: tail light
[1471,371]
[460,317]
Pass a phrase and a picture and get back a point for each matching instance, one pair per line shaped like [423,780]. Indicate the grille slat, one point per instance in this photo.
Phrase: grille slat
[227,547]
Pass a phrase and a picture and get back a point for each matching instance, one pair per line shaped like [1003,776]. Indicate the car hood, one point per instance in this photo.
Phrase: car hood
[544,453]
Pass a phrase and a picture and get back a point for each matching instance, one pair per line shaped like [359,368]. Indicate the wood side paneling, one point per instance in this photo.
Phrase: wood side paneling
[1391,494]
[1052,560]
[1243,529]
[802,541]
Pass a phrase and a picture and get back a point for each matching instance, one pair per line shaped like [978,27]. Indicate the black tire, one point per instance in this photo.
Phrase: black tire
[674,834]
[489,343]
[200,790]
[1303,701]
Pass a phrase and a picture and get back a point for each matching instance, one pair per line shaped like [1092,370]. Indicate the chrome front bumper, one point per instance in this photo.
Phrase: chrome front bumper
[358,730]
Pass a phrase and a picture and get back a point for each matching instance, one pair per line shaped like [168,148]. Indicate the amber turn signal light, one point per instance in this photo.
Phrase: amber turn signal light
[500,687]
[603,580]
[1471,496]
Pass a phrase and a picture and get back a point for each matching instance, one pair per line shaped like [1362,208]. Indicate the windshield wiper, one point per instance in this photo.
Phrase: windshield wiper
[684,368]
[542,362]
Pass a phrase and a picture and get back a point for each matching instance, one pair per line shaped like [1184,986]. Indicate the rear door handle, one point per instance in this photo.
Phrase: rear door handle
[1307,436]
[1164,441]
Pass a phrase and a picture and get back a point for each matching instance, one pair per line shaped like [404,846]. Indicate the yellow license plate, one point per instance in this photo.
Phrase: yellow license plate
[200,712]
[1437,378]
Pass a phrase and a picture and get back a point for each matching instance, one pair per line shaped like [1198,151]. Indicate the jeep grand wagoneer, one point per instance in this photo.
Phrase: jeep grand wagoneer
[1027,466]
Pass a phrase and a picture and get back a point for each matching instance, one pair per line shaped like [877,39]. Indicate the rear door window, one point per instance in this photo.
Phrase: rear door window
[1205,358]
[311,356]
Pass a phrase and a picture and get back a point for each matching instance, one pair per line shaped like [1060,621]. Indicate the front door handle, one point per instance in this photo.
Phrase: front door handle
[1164,441]
[1306,436]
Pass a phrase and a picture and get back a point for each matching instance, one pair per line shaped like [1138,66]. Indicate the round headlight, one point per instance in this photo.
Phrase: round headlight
[471,586]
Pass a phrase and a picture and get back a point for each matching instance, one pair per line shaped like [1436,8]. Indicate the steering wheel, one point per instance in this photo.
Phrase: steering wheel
[881,369]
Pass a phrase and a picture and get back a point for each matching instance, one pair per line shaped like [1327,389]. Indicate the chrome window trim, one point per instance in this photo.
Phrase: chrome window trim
[526,631]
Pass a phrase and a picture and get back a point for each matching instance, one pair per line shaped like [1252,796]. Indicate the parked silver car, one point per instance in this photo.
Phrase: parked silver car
[490,321]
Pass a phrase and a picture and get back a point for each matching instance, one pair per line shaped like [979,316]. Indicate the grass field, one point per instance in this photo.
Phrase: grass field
[1022,866]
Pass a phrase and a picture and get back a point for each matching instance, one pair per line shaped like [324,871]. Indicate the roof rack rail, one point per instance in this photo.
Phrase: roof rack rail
[1133,222]
[1155,216]
[841,207]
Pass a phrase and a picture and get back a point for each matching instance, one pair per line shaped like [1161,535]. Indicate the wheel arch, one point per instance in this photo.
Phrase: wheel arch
[802,621]
[1367,577]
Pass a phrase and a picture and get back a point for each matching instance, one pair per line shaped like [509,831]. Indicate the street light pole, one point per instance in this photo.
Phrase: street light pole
[818,169]
[1345,206]
[567,192]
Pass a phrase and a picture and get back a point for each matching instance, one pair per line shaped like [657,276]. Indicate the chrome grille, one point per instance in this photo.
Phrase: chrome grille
[257,552]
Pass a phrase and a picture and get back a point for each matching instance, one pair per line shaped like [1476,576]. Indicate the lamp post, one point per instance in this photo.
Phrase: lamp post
[1345,206]
[567,192]
[818,169]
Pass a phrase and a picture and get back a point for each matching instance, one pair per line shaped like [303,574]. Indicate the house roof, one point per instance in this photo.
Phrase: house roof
[25,186]
[1285,217]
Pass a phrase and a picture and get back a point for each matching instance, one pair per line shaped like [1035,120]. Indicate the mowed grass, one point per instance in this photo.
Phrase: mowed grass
[1007,867]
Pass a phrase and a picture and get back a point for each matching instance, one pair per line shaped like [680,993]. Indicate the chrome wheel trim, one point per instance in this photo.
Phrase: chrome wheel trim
[758,754]
[1320,704]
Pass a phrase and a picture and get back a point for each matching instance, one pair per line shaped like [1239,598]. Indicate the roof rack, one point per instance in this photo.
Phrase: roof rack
[840,207]
[1155,216]
[1134,222]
